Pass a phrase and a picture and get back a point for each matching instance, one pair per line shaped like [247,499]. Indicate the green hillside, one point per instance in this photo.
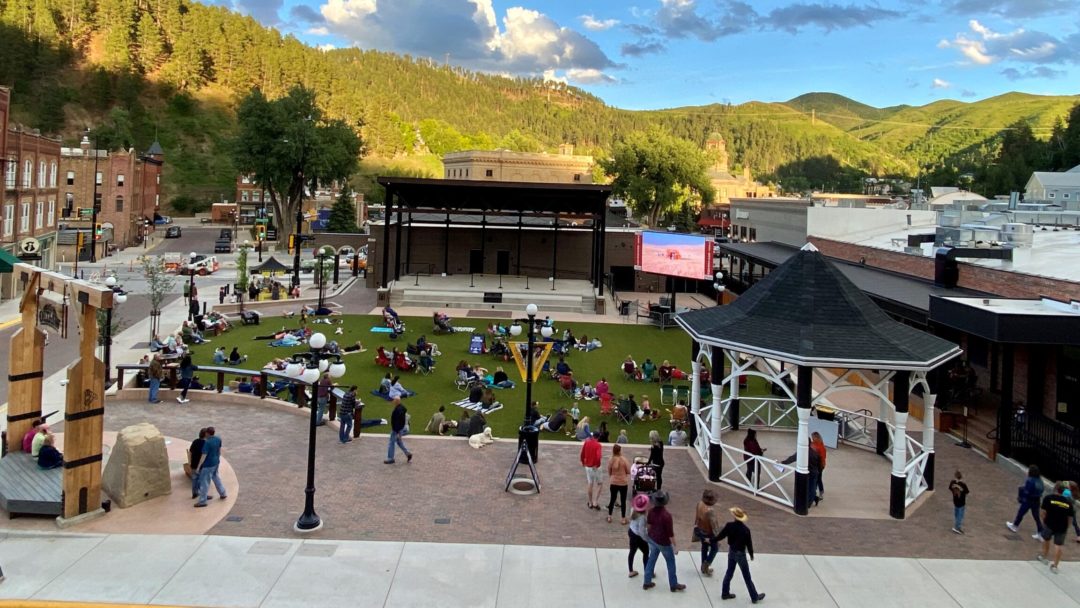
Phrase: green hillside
[174,70]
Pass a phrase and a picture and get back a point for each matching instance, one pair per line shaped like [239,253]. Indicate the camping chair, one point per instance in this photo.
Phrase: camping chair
[381,358]
[625,412]
[566,386]
[605,404]
[682,394]
[667,394]
[427,364]
[463,381]
[629,371]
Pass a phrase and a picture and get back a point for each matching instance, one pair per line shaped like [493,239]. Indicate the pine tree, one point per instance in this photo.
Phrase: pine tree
[343,213]
[150,46]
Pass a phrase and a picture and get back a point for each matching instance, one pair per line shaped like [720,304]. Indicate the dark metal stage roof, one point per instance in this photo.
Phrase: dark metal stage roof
[456,195]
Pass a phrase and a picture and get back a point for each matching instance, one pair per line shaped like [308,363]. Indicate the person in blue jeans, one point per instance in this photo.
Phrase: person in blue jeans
[208,468]
[196,455]
[740,544]
[154,372]
[661,538]
[1029,497]
[398,421]
[346,408]
[959,492]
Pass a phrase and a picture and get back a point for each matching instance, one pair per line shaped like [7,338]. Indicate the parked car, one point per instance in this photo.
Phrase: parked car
[162,220]
[226,233]
[223,246]
[205,220]
[172,232]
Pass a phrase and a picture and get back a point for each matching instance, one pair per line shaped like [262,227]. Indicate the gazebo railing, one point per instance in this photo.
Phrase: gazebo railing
[915,470]
[857,428]
[770,412]
[770,479]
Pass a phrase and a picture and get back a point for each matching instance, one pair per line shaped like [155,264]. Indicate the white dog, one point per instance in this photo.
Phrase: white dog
[479,440]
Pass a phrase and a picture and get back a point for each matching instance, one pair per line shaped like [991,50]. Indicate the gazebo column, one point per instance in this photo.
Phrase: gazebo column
[733,404]
[928,434]
[695,389]
[898,481]
[803,392]
[716,452]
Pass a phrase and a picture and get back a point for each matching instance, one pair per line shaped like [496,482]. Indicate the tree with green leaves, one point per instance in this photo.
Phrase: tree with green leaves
[288,146]
[158,285]
[657,174]
[242,274]
[343,213]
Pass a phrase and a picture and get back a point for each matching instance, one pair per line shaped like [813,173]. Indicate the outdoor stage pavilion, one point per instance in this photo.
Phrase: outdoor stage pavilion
[494,245]
[821,344]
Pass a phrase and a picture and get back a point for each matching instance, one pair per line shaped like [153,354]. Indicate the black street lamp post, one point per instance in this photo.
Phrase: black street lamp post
[296,244]
[193,302]
[119,297]
[309,367]
[515,330]
[94,203]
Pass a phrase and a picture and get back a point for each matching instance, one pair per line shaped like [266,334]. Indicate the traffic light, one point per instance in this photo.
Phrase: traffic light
[260,232]
[97,232]
[79,239]
[292,242]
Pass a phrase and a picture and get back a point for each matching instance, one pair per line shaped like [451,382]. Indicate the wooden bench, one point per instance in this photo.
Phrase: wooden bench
[26,489]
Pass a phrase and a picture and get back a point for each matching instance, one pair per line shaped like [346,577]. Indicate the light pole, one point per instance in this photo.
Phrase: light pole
[322,274]
[193,302]
[515,330]
[94,212]
[308,367]
[119,297]
[719,287]
[296,244]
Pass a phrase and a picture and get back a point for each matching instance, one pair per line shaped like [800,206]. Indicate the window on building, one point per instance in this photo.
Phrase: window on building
[157,179]
[28,174]
[52,175]
[246,179]
[577,177]
[39,215]
[489,173]
[71,178]
[1065,195]
[9,219]
[11,167]
[119,180]
[42,177]
[119,203]
[69,204]
[243,196]
[256,196]
[97,178]
[52,212]
[24,218]
[466,173]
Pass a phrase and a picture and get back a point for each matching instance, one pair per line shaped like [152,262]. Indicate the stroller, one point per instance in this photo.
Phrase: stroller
[644,478]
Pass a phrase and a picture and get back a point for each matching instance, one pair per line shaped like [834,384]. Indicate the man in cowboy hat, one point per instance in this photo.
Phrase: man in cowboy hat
[739,545]
[661,539]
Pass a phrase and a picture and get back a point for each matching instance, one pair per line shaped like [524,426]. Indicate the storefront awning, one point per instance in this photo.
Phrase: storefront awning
[7,261]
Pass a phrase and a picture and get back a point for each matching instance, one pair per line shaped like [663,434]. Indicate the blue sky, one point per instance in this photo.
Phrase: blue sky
[668,53]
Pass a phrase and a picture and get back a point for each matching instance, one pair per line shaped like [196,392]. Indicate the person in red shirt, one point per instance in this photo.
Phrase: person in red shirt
[661,539]
[591,452]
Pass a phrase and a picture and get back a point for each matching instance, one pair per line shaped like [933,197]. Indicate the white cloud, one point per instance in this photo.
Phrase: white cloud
[987,46]
[318,31]
[589,76]
[469,32]
[592,23]
[326,47]
[938,83]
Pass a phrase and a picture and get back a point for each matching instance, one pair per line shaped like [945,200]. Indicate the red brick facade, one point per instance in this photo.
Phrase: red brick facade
[1009,284]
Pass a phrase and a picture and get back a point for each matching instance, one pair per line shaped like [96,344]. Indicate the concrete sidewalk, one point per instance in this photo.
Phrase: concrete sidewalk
[233,571]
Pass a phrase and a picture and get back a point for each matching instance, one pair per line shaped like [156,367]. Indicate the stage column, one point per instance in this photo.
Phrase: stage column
[603,245]
[390,194]
[397,246]
[446,247]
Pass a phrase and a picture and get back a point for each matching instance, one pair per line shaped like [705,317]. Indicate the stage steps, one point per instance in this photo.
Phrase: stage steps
[546,299]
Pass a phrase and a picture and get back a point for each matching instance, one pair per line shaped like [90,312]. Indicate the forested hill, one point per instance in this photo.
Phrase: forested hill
[136,70]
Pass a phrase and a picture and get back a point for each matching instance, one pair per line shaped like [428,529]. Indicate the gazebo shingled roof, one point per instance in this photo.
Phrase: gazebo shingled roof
[807,312]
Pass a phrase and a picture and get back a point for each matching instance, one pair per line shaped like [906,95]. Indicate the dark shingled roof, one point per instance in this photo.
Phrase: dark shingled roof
[271,265]
[807,312]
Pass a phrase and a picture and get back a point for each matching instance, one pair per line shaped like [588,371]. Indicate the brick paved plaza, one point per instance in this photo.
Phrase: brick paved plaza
[452,493]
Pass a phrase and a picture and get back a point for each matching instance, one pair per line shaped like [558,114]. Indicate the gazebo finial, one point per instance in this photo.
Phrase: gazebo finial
[809,247]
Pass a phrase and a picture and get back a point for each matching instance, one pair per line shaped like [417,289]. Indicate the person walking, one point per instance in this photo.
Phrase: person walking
[398,421]
[661,538]
[706,525]
[818,445]
[208,468]
[1029,495]
[618,470]
[346,408]
[752,448]
[637,533]
[959,491]
[1057,512]
[221,295]
[322,397]
[187,376]
[154,373]
[194,458]
[656,456]
[591,455]
[740,544]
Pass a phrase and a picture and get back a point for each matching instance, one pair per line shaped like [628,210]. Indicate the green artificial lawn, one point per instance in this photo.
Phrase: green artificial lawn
[438,388]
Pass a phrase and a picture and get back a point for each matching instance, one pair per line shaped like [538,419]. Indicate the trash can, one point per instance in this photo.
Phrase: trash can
[826,413]
[530,436]
[624,308]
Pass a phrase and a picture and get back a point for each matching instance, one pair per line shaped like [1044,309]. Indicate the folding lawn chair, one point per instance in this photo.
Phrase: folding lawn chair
[624,413]
[667,394]
[605,404]
[682,394]
[566,387]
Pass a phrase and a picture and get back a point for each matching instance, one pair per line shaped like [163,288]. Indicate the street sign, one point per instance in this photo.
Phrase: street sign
[86,212]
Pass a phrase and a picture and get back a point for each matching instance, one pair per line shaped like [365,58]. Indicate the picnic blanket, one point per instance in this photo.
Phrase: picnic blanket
[477,407]
[386,396]
[382,330]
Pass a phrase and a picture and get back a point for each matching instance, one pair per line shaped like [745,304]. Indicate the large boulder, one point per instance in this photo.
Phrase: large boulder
[138,468]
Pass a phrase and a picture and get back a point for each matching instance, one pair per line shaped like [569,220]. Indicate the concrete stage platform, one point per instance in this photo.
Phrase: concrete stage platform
[496,293]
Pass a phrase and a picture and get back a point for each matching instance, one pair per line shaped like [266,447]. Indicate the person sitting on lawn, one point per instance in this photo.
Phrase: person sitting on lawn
[555,423]
[629,366]
[562,368]
[588,393]
[463,424]
[219,356]
[679,415]
[385,384]
[235,358]
[427,362]
[647,410]
[355,348]
[567,383]
[500,379]
[582,431]
[438,423]
[602,388]
[397,391]
[648,370]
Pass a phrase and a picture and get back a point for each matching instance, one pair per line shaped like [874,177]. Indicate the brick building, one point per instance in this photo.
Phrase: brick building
[128,189]
[509,166]
[29,210]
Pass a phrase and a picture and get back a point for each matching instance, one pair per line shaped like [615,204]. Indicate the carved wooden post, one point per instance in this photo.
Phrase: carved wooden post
[25,367]
[85,408]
